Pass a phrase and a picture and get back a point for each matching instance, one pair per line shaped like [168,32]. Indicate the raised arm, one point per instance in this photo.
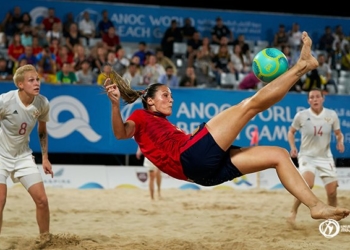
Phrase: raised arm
[121,130]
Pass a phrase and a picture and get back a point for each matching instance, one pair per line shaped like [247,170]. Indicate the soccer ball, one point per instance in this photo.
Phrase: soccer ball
[269,64]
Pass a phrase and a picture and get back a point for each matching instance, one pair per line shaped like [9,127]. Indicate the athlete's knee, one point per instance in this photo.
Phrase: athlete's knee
[42,201]
[278,154]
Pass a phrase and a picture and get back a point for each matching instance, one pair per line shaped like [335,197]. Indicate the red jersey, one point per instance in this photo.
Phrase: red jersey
[160,141]
[15,50]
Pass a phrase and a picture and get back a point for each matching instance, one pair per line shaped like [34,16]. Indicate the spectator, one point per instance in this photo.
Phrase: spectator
[325,73]
[189,79]
[187,30]
[15,49]
[3,38]
[56,33]
[99,60]
[345,60]
[121,62]
[87,27]
[39,32]
[326,42]
[64,57]
[240,63]
[141,53]
[104,24]
[29,56]
[250,81]
[132,75]
[50,19]
[221,63]
[26,20]
[136,60]
[5,72]
[66,25]
[204,57]
[165,61]
[294,40]
[46,77]
[26,36]
[111,40]
[193,44]
[66,75]
[12,22]
[171,35]
[221,30]
[79,56]
[47,62]
[55,46]
[245,49]
[152,71]
[169,78]
[106,71]
[36,46]
[86,75]
[73,37]
[281,37]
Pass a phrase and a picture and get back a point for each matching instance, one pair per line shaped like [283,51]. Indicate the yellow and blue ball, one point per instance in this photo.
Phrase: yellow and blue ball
[269,64]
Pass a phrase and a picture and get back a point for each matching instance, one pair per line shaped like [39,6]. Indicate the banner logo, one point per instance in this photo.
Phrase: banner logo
[80,121]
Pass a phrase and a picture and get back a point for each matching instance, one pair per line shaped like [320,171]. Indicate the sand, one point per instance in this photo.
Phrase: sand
[182,220]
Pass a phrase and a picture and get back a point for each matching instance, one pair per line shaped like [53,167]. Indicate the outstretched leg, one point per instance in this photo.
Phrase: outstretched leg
[255,159]
[226,126]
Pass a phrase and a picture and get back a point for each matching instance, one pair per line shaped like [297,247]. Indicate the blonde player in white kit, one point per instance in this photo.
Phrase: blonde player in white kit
[316,125]
[20,110]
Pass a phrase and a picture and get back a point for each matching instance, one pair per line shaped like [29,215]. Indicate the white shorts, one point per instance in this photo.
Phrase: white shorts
[18,167]
[325,167]
[148,164]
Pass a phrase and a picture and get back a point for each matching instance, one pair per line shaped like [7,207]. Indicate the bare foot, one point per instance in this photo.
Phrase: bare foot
[43,241]
[291,220]
[323,211]
[306,61]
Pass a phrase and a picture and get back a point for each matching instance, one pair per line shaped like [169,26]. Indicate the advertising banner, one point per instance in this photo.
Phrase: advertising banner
[80,118]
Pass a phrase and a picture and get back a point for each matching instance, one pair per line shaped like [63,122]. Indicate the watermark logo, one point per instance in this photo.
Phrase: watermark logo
[331,228]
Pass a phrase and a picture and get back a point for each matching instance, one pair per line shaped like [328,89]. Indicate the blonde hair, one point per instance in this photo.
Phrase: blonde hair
[20,72]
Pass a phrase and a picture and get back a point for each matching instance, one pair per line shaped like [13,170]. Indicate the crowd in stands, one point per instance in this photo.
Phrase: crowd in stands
[84,52]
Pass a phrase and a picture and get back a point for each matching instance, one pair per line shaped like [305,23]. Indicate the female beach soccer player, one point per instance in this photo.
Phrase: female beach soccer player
[20,110]
[207,156]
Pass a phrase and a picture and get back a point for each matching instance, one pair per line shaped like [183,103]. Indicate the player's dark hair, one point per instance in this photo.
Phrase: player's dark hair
[130,95]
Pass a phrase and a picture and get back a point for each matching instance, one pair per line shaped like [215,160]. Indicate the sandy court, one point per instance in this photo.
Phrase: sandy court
[183,220]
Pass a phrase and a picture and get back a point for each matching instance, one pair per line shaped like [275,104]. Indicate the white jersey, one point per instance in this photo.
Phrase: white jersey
[17,122]
[316,131]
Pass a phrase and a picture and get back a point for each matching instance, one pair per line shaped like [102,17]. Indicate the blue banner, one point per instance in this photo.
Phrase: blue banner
[80,118]
[148,23]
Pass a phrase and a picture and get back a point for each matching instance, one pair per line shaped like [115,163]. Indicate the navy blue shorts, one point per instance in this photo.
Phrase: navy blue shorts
[205,163]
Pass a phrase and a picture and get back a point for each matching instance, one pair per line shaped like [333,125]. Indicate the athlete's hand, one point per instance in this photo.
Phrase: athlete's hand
[47,167]
[293,152]
[340,147]
[112,91]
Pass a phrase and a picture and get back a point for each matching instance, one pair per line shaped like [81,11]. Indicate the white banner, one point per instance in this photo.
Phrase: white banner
[110,177]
